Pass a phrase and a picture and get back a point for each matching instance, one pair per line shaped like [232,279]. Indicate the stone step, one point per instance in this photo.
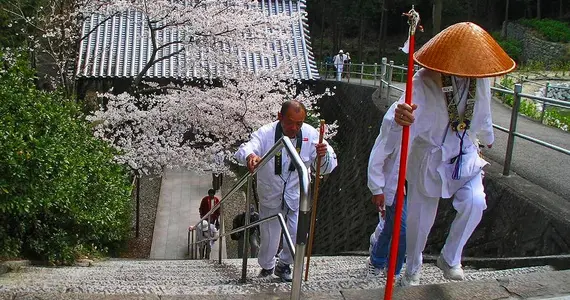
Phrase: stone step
[192,277]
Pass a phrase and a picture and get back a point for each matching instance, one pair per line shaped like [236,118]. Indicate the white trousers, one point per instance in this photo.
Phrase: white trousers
[339,69]
[271,233]
[468,201]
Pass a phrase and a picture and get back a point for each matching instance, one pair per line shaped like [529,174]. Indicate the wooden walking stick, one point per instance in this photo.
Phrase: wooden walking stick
[413,20]
[315,198]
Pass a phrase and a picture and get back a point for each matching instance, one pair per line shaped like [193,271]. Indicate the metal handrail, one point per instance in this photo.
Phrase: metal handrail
[386,84]
[298,252]
[278,216]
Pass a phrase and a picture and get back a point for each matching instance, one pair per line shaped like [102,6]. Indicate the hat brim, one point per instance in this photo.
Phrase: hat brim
[465,50]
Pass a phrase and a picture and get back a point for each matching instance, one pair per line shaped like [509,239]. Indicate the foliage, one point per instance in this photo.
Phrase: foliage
[60,193]
[555,117]
[200,123]
[197,127]
[514,48]
[552,30]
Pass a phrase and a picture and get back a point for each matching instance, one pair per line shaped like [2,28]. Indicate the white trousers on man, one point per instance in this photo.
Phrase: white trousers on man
[339,69]
[468,201]
[271,233]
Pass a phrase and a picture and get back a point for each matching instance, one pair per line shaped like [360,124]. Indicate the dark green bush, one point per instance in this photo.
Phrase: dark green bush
[514,48]
[551,30]
[61,194]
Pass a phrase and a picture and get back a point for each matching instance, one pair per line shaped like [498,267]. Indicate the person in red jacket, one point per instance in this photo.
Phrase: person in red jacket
[207,203]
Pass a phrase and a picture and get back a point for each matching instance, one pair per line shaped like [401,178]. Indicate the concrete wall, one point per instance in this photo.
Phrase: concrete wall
[521,218]
[535,49]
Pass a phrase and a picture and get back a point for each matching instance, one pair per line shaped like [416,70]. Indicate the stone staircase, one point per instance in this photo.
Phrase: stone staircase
[188,277]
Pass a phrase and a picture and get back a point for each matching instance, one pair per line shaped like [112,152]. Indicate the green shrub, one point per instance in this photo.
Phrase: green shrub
[514,48]
[551,30]
[61,194]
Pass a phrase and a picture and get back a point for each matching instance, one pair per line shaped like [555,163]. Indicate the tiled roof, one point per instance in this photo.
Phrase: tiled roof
[116,49]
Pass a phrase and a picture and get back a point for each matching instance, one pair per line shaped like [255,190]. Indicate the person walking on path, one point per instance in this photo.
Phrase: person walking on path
[383,167]
[206,205]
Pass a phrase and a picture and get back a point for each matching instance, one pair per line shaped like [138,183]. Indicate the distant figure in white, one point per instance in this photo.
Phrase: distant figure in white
[338,62]
[204,232]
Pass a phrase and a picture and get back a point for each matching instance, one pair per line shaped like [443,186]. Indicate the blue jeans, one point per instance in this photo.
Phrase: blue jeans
[381,250]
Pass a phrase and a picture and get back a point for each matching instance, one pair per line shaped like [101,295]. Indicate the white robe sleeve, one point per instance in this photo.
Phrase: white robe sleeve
[252,146]
[385,144]
[328,162]
[418,97]
[485,132]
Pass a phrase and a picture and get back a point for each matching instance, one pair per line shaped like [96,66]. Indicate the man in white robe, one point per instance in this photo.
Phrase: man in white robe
[338,62]
[451,109]
[278,185]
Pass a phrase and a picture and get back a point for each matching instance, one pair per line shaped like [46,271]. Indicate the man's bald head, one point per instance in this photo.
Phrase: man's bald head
[293,105]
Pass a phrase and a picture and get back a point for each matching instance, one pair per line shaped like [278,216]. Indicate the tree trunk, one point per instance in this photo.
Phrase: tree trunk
[538,10]
[504,31]
[469,10]
[380,32]
[322,30]
[561,10]
[360,38]
[437,8]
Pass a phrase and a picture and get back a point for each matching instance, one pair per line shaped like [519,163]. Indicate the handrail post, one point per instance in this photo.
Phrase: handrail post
[361,72]
[246,232]
[303,221]
[389,73]
[512,129]
[376,74]
[191,245]
[382,74]
[544,103]
[221,234]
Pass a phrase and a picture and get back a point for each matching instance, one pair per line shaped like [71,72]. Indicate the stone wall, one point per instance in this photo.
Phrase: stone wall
[535,49]
[521,218]
[346,215]
[560,91]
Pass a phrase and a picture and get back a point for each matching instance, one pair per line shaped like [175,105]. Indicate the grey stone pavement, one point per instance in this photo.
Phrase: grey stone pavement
[547,168]
[330,278]
[180,195]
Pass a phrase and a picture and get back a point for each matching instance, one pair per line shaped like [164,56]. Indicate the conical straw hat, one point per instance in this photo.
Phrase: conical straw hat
[466,50]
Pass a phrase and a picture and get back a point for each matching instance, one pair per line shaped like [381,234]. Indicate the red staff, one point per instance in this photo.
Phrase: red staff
[413,21]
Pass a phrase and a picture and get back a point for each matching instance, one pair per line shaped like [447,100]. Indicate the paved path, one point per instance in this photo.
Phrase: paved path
[180,195]
[328,276]
[545,167]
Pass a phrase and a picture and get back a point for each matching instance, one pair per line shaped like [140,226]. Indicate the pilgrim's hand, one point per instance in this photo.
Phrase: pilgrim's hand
[378,200]
[252,162]
[321,149]
[404,115]
[490,146]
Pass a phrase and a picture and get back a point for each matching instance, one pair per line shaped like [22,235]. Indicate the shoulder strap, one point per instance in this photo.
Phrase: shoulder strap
[278,156]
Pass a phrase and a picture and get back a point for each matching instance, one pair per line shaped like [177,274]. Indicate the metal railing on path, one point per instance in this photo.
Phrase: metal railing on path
[384,74]
[297,251]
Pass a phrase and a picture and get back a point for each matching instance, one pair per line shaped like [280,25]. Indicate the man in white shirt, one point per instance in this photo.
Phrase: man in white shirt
[451,109]
[338,62]
[383,168]
[278,181]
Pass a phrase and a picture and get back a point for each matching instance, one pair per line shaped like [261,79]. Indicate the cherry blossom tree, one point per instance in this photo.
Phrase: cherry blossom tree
[200,123]
[197,128]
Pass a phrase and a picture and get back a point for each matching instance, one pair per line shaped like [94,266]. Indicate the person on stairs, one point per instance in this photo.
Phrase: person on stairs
[278,181]
[383,168]
[205,231]
[451,109]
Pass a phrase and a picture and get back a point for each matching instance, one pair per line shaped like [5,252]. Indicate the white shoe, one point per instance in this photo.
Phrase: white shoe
[451,273]
[372,271]
[410,280]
